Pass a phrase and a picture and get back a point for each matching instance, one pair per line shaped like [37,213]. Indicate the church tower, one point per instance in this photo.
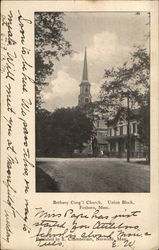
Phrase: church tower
[85,95]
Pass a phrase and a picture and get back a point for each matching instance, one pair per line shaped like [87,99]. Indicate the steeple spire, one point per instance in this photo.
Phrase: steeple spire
[85,87]
[85,71]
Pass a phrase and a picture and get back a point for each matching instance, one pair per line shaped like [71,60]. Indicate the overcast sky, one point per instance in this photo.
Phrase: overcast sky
[109,38]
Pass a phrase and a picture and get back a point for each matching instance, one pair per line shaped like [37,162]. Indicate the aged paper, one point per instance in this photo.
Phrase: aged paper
[75,215]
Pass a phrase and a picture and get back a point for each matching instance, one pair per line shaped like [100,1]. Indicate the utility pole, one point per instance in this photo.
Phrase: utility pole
[128,128]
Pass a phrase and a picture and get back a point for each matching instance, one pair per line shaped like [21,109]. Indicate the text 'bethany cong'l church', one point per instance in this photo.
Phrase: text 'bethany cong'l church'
[111,135]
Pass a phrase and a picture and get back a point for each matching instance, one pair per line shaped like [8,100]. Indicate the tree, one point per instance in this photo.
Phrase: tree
[144,126]
[129,82]
[132,78]
[62,131]
[50,45]
[43,128]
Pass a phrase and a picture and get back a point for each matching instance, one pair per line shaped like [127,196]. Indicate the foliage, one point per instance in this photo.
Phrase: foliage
[144,126]
[132,78]
[50,45]
[62,131]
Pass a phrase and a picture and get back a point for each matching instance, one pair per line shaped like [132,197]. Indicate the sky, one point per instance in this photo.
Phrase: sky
[110,37]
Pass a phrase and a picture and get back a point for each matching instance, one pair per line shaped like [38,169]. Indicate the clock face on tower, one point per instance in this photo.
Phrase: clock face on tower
[86,100]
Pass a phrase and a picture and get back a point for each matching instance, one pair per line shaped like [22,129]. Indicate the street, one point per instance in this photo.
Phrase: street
[91,175]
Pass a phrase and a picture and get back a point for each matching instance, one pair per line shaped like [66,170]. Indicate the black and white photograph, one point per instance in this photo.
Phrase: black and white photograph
[92,98]
[79,125]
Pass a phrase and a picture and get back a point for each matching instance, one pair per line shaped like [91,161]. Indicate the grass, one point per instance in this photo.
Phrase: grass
[44,183]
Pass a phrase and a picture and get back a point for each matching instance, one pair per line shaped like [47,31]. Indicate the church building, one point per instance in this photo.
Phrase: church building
[85,98]
[111,135]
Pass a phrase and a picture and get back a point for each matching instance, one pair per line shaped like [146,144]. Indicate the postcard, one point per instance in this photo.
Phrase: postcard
[79,125]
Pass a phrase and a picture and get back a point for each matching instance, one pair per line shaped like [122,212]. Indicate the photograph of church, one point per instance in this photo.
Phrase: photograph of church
[92,95]
[111,135]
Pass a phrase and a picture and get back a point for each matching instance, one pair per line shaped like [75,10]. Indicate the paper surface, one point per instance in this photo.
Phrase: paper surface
[117,220]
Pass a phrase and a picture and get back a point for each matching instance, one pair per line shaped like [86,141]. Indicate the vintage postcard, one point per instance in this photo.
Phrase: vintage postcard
[79,125]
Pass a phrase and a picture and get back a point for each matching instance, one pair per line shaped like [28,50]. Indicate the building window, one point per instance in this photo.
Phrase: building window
[129,128]
[112,147]
[121,130]
[138,128]
[115,131]
[134,128]
[82,90]
[110,132]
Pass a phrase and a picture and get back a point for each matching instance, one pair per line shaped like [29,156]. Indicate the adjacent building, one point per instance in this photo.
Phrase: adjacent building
[112,141]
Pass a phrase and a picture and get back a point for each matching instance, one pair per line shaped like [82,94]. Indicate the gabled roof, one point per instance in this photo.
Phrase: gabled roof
[122,113]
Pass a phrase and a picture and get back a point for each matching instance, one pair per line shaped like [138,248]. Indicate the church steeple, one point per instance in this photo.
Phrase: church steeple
[85,70]
[85,95]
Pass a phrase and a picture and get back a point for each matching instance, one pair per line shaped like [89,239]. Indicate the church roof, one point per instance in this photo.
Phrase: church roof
[85,70]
